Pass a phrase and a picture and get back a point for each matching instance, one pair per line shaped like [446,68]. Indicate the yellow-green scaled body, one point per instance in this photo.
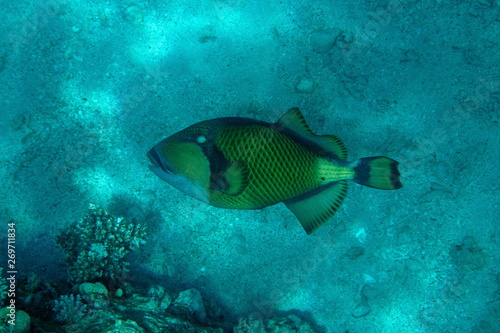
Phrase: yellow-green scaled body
[247,164]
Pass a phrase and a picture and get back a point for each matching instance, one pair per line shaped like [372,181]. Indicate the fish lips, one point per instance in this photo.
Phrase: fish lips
[167,172]
[158,163]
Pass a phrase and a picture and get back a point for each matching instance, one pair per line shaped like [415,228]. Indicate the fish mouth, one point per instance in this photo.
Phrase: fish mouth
[166,172]
[157,162]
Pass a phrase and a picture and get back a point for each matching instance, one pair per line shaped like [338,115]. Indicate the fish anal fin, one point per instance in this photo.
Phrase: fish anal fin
[315,208]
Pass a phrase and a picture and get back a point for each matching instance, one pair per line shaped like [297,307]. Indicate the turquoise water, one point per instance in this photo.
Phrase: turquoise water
[87,88]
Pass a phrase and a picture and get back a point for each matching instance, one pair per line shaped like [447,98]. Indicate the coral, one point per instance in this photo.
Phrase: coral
[135,314]
[3,286]
[95,247]
[94,294]
[37,295]
[69,309]
[76,315]
[22,321]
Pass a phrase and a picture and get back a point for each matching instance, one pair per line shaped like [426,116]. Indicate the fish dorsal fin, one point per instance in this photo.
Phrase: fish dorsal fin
[232,181]
[316,207]
[333,144]
[294,120]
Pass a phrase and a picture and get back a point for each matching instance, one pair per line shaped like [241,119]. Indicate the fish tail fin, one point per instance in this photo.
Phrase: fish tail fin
[377,172]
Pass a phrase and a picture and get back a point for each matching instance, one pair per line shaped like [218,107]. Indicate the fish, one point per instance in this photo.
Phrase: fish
[242,163]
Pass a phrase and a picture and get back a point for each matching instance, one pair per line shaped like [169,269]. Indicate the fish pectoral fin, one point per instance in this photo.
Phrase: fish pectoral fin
[315,208]
[232,181]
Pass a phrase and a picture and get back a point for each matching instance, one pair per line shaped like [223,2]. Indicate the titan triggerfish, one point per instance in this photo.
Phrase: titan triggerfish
[242,163]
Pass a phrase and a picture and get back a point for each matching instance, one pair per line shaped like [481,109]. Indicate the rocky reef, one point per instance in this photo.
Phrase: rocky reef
[95,247]
[95,298]
[91,307]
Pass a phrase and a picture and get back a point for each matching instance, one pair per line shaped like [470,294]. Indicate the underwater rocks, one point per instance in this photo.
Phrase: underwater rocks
[361,310]
[157,300]
[94,294]
[100,302]
[91,307]
[305,85]
[322,40]
[95,247]
[154,323]
[287,324]
[355,252]
[151,312]
[190,304]
[127,326]
[133,14]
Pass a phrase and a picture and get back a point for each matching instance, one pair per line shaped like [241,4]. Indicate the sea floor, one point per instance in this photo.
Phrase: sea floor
[88,87]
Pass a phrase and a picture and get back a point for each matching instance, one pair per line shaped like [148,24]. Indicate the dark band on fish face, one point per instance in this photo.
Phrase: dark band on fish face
[204,138]
[218,166]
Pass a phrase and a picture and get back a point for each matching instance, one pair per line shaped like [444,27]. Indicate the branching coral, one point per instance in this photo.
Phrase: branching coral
[69,309]
[95,247]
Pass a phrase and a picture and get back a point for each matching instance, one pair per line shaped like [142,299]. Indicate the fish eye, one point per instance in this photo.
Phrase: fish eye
[201,139]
